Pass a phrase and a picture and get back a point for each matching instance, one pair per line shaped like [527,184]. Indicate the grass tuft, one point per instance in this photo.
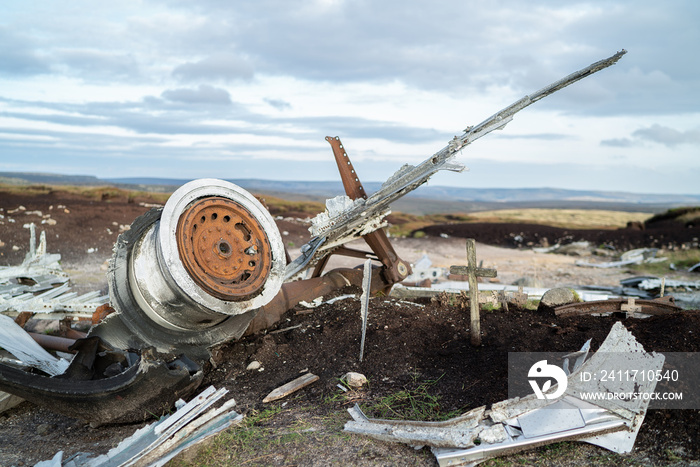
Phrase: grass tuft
[415,402]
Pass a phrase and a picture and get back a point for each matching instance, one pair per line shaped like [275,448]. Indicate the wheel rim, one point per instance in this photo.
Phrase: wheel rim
[224,248]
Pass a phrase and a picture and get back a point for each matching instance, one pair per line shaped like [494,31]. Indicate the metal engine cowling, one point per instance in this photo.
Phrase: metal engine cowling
[194,272]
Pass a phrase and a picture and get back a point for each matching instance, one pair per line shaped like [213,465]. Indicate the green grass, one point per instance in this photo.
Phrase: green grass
[415,402]
[241,443]
[275,436]
[682,260]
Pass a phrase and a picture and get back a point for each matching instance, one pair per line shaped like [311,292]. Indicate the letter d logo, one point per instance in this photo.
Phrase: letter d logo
[542,370]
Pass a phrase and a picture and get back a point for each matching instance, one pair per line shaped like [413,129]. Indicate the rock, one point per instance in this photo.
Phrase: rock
[354,380]
[557,297]
[254,365]
[43,429]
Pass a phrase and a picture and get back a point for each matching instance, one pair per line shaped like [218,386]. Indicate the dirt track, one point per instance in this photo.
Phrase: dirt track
[408,344]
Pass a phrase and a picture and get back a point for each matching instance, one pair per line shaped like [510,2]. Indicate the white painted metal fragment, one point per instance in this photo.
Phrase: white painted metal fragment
[156,444]
[7,401]
[364,302]
[15,340]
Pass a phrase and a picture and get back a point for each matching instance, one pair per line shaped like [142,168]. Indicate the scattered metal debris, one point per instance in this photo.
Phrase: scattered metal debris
[456,288]
[39,285]
[642,308]
[157,443]
[423,270]
[573,248]
[638,256]
[211,265]
[37,264]
[522,423]
[655,283]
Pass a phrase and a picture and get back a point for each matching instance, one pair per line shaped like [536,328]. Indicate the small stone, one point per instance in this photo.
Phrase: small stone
[43,429]
[254,365]
[354,380]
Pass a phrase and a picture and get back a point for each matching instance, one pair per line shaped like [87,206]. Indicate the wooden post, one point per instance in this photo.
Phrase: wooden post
[290,387]
[472,271]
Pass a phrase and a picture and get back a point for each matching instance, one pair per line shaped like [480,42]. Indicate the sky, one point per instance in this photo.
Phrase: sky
[249,89]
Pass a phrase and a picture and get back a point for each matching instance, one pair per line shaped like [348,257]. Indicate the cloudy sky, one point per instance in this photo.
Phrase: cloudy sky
[243,89]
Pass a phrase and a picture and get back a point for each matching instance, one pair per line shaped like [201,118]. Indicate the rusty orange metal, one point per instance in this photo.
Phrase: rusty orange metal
[53,342]
[224,248]
[101,312]
[395,269]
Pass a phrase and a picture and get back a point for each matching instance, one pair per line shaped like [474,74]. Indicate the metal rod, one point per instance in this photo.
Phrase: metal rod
[61,344]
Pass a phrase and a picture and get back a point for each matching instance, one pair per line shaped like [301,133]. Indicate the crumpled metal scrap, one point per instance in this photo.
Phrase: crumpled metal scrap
[522,423]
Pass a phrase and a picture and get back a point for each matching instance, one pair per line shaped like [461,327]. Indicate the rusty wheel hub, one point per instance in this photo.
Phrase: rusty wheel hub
[223,248]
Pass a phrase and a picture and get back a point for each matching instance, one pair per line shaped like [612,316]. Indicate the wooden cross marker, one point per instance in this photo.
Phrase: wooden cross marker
[472,271]
[631,308]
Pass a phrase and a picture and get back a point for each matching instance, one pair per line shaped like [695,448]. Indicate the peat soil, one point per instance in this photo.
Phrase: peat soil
[408,344]
[80,228]
[668,235]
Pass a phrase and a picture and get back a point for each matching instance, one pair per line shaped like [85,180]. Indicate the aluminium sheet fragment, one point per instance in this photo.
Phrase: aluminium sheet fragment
[521,423]
[159,442]
[19,343]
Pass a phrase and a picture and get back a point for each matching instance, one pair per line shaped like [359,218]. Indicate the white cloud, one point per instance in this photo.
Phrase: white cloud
[396,80]
[220,66]
[668,136]
[204,94]
[18,55]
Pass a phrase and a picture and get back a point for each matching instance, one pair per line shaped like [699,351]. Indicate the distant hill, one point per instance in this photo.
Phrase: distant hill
[50,179]
[425,200]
